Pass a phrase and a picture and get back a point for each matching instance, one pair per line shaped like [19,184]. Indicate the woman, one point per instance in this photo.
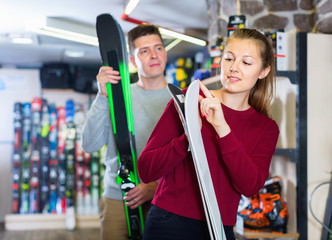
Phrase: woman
[239,140]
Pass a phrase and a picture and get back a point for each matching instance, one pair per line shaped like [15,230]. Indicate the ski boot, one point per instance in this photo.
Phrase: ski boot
[248,206]
[273,215]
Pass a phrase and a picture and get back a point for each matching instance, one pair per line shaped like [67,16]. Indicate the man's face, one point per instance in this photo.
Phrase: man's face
[150,56]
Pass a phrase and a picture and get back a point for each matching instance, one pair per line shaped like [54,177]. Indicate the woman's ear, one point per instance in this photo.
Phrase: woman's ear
[264,72]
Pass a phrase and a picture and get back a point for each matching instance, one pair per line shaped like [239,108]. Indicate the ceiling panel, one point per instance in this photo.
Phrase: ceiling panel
[17,16]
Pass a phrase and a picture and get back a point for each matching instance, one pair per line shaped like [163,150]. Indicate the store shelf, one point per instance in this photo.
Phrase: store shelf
[20,222]
[289,152]
[266,235]
[291,75]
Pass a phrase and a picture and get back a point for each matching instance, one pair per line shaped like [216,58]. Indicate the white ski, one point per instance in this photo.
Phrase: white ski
[190,118]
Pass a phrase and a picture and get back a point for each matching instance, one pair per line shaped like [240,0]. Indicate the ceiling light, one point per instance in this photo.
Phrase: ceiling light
[22,40]
[183,37]
[74,53]
[67,29]
[67,35]
[172,44]
[131,6]
[169,32]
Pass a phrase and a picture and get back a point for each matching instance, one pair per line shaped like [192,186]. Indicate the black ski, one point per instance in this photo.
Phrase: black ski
[113,53]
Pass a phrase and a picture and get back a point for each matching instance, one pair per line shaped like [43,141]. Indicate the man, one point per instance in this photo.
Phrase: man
[149,98]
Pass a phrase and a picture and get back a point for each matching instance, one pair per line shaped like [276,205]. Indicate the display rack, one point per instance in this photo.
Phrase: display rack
[297,155]
[266,235]
[20,222]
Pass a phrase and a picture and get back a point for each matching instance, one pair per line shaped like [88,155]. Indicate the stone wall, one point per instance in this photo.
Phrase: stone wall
[305,15]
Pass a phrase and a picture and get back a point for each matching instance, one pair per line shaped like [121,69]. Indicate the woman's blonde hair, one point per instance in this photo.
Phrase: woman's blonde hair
[261,94]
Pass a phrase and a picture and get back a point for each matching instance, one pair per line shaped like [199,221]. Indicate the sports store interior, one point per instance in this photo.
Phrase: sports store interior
[50,50]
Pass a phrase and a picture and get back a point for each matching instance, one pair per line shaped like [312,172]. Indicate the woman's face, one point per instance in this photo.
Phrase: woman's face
[241,66]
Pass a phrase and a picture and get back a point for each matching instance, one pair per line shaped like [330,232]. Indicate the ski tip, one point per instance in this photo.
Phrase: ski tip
[173,89]
[105,17]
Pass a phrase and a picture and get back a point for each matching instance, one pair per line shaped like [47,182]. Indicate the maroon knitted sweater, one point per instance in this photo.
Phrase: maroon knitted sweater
[239,162]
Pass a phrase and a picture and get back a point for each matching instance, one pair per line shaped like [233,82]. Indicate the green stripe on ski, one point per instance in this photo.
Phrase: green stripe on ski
[140,210]
[129,110]
[140,215]
[135,166]
[125,80]
[110,102]
[127,218]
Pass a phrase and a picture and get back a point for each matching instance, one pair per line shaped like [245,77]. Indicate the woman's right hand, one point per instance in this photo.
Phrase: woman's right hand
[107,75]
[211,109]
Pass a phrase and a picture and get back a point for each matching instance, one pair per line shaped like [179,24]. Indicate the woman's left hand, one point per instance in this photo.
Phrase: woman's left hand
[210,108]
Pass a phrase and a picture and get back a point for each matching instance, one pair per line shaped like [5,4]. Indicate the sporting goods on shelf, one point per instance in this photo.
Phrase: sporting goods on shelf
[53,163]
[70,166]
[34,201]
[25,166]
[61,146]
[16,157]
[44,157]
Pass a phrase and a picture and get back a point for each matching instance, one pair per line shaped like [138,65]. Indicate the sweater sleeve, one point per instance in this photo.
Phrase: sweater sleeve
[95,132]
[166,147]
[249,171]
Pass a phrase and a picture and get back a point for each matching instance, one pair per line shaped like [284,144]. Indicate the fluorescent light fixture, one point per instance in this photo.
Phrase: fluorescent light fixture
[168,32]
[67,35]
[173,44]
[183,37]
[74,53]
[22,40]
[131,6]
[67,29]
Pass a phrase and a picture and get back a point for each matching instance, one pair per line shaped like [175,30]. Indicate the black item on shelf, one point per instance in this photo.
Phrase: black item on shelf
[56,76]
[85,79]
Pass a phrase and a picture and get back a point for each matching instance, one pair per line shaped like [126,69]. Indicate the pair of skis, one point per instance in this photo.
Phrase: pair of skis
[188,106]
[113,51]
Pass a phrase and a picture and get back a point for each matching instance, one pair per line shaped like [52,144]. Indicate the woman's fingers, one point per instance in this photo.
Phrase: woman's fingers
[204,89]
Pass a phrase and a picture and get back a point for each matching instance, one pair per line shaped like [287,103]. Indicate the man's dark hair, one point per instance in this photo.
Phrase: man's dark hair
[140,31]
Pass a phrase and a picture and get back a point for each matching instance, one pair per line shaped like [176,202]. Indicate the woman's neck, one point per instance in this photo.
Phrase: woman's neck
[236,101]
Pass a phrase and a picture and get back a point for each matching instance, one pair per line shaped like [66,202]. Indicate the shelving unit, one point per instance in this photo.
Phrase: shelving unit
[20,222]
[266,235]
[297,155]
